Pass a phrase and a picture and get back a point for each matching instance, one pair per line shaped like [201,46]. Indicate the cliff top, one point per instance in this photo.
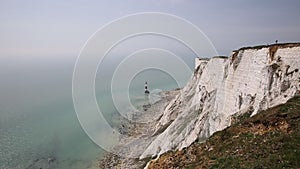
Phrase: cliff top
[279,45]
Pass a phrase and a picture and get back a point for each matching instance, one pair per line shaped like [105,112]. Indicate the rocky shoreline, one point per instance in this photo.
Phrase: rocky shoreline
[136,136]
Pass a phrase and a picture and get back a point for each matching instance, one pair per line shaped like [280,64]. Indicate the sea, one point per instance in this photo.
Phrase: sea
[38,123]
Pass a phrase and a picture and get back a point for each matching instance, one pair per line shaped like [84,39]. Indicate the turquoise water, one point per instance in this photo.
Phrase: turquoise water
[38,124]
[46,133]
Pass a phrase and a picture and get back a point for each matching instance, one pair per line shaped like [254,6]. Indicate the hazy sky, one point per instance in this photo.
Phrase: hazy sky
[56,28]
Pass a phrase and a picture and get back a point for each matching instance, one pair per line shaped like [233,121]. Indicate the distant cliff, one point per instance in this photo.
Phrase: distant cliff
[252,79]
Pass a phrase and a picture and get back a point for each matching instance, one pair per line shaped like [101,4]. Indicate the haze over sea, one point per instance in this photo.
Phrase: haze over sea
[41,39]
[38,125]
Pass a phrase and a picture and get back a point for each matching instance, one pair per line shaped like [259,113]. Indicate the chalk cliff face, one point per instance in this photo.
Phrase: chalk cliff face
[250,80]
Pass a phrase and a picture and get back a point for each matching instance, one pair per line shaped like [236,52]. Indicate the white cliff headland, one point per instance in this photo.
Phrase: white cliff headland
[250,80]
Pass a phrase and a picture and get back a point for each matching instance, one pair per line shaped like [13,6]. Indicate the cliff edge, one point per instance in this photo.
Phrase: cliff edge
[251,80]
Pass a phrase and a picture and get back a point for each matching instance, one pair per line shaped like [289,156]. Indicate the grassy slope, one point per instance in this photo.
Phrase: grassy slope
[270,139]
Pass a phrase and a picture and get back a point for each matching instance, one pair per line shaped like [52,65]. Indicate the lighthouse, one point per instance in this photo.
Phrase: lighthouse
[146,88]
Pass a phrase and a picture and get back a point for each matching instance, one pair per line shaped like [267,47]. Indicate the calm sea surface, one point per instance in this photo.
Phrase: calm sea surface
[38,124]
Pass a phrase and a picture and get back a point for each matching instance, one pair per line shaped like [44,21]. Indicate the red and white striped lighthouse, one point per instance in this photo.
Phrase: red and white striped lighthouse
[146,88]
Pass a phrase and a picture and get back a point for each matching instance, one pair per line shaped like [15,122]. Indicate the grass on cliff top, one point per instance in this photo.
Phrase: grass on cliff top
[270,139]
[280,45]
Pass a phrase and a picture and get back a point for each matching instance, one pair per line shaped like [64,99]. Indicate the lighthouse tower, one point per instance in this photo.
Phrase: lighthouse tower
[146,88]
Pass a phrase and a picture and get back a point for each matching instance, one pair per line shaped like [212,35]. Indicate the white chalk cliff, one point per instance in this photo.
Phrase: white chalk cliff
[250,80]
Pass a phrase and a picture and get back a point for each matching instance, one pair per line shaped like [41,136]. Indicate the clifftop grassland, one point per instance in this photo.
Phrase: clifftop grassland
[270,139]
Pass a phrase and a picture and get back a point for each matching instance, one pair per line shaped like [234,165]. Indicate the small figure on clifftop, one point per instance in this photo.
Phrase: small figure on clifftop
[146,88]
[276,41]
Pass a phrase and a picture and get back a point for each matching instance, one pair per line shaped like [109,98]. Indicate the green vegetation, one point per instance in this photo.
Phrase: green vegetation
[280,45]
[270,139]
